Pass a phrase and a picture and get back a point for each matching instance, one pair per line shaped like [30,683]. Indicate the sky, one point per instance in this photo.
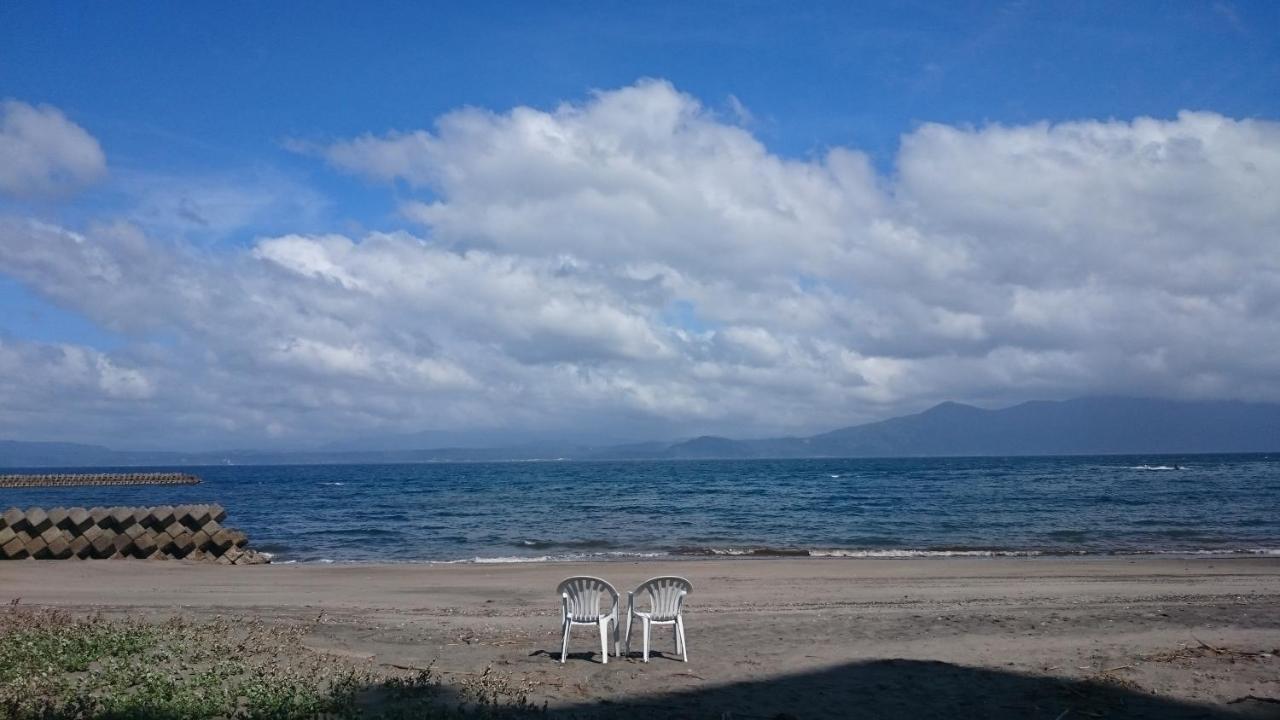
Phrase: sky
[273,225]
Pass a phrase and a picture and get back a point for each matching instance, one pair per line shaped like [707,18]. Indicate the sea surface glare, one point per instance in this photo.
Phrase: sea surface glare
[535,511]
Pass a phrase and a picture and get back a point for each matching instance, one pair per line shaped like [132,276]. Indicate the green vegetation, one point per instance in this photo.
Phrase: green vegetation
[55,665]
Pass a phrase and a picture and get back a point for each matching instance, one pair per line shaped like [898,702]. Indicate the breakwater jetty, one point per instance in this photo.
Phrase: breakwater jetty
[165,532]
[29,480]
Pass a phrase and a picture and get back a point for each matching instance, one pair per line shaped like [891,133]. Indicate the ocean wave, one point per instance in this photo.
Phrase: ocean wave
[1157,467]
[856,552]
[740,552]
[847,552]
[500,559]
[362,532]
[695,554]
[593,544]
[1211,552]
[566,557]
[1186,533]
[1118,500]
[945,552]
[928,553]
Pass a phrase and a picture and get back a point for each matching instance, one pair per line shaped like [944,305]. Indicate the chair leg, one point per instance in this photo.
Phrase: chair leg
[646,639]
[629,634]
[684,646]
[616,644]
[564,643]
[604,641]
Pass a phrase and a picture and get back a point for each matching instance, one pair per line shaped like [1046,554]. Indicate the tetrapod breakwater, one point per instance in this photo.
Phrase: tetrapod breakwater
[165,532]
[29,480]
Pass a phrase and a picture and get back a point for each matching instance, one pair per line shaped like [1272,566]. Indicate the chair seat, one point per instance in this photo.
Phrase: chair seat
[654,618]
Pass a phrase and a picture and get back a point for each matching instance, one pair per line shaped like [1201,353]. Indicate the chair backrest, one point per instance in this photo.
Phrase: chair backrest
[666,595]
[582,596]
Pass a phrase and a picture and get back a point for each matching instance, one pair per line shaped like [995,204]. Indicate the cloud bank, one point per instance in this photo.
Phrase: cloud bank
[636,264]
[43,154]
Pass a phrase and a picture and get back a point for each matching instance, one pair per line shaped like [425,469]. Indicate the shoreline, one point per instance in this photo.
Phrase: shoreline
[786,554]
[115,582]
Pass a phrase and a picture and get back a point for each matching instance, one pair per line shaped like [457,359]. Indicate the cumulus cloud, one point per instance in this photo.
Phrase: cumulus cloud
[644,172]
[634,263]
[43,154]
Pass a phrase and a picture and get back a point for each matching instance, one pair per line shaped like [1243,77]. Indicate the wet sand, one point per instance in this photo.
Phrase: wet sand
[918,638]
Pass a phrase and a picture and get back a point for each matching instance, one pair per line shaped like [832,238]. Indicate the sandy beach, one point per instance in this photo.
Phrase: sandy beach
[922,638]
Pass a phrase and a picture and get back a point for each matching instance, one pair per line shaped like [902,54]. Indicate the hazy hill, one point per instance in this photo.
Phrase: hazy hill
[44,454]
[1084,426]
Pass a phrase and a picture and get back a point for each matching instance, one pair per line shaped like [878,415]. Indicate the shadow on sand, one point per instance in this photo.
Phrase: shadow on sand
[907,689]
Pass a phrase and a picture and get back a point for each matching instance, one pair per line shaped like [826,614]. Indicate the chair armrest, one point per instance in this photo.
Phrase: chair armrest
[564,607]
[631,602]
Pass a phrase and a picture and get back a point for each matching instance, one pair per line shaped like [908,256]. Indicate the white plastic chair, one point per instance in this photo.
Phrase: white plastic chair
[666,603]
[580,605]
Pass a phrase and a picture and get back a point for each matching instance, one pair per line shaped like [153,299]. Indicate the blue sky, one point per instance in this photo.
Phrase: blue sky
[189,88]
[201,113]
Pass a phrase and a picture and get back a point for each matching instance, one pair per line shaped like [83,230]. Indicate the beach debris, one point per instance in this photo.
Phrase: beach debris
[1254,698]
[1204,649]
[192,532]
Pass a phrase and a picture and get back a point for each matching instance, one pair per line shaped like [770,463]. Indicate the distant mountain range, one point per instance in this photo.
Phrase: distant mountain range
[1085,426]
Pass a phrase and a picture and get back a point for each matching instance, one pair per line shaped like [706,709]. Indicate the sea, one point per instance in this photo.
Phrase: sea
[554,510]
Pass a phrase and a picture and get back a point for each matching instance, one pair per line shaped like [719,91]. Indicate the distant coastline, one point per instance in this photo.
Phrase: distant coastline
[1084,426]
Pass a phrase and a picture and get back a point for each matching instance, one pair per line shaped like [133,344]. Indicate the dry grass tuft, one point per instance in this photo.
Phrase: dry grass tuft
[55,665]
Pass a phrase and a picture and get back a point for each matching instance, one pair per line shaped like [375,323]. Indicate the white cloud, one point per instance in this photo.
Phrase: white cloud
[634,264]
[635,174]
[43,154]
[57,390]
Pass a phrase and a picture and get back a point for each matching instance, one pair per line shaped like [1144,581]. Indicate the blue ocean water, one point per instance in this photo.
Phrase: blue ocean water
[858,507]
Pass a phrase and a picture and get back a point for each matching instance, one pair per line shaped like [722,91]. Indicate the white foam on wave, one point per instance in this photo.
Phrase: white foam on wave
[784,553]
[1156,467]
[836,553]
[1220,551]
[511,559]
[567,557]
[922,553]
[333,483]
